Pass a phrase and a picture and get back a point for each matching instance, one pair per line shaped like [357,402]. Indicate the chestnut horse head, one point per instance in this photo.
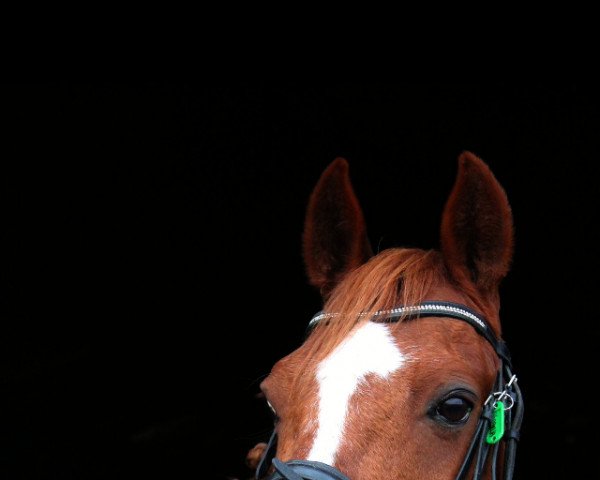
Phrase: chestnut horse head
[403,375]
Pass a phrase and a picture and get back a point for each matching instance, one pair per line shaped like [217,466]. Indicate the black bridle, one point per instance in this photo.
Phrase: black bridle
[498,424]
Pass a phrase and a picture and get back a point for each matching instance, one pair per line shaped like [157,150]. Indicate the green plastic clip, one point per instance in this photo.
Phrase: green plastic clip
[497,427]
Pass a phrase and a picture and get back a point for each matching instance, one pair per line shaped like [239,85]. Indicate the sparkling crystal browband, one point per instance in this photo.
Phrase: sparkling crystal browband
[421,309]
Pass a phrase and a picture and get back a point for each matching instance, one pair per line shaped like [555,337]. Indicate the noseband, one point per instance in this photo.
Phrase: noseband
[501,415]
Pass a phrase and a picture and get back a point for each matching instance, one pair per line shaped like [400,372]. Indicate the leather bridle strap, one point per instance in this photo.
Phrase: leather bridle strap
[433,309]
[479,449]
[305,470]
[267,457]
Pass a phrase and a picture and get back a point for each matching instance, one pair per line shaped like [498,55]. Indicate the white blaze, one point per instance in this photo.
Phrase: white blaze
[371,349]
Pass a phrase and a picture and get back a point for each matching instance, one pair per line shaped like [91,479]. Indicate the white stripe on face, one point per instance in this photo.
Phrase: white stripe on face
[371,349]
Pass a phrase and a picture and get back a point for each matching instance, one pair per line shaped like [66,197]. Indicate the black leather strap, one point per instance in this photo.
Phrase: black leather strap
[268,455]
[305,470]
[433,308]
[450,310]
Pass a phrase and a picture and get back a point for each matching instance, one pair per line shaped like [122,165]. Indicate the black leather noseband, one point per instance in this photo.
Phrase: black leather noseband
[305,470]
[480,453]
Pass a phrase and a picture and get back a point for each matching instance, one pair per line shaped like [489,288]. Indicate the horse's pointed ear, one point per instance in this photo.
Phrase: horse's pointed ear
[335,235]
[477,228]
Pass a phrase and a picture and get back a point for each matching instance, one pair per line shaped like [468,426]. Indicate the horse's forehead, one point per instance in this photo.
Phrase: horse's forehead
[435,347]
[370,350]
[378,365]
[445,349]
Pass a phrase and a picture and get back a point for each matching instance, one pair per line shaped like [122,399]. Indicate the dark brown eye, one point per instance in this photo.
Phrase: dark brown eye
[454,410]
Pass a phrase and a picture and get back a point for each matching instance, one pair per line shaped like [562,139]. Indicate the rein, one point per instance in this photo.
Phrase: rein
[500,419]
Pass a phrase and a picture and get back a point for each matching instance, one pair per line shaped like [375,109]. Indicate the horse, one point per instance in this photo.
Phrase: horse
[403,375]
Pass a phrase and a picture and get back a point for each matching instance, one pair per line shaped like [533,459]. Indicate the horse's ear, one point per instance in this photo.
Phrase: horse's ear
[335,235]
[477,228]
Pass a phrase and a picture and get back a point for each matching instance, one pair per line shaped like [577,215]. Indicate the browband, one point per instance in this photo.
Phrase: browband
[432,309]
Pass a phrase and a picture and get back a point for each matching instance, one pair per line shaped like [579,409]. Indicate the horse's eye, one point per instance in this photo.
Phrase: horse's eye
[454,410]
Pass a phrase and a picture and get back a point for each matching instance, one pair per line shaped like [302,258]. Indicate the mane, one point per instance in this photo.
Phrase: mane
[398,276]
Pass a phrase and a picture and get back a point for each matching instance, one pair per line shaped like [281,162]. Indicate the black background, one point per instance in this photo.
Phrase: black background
[151,268]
